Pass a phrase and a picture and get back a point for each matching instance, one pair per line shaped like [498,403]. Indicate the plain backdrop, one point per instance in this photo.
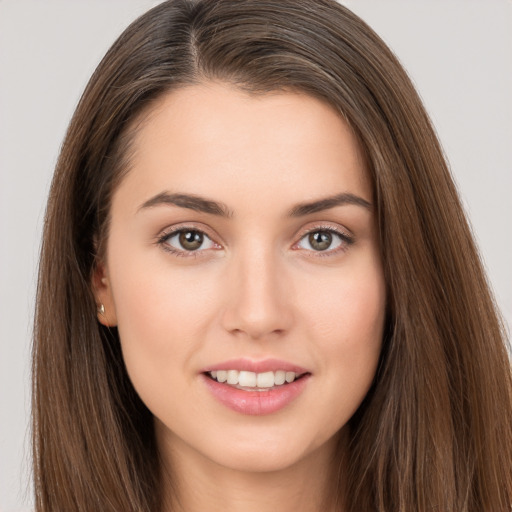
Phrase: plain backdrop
[458,53]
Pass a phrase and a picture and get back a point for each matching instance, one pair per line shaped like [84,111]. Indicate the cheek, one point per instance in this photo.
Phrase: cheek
[347,323]
[349,311]
[154,297]
[162,317]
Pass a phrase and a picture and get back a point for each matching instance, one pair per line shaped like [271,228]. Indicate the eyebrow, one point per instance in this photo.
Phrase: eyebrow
[201,204]
[192,202]
[342,199]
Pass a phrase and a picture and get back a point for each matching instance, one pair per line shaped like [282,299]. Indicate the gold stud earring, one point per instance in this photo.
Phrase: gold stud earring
[101,309]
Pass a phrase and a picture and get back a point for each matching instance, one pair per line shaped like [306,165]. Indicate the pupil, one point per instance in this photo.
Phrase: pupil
[191,240]
[320,240]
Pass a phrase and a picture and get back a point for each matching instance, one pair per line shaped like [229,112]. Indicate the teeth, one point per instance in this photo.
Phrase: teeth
[280,377]
[253,380]
[233,376]
[290,376]
[265,380]
[247,379]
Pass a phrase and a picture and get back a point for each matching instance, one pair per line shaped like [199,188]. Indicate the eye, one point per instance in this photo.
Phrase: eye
[324,240]
[187,240]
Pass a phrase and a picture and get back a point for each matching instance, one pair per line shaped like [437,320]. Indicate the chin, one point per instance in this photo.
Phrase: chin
[267,455]
[252,461]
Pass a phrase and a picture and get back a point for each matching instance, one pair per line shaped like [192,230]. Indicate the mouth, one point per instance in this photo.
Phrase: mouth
[252,381]
[256,388]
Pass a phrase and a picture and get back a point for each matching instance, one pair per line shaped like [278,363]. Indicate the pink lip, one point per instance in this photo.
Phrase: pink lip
[256,403]
[266,365]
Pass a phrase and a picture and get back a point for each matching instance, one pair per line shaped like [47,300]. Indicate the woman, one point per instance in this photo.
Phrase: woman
[254,283]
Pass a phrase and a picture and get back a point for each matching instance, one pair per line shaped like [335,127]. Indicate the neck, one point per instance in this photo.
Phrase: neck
[195,484]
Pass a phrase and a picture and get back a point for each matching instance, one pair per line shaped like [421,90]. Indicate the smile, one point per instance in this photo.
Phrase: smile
[256,388]
[251,381]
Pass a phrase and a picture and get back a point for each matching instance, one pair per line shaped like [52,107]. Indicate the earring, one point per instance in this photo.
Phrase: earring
[101,309]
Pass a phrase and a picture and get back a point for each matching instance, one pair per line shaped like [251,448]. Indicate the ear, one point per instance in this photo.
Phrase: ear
[102,290]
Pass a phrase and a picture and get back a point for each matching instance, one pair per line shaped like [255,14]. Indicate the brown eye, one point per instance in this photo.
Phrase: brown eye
[325,240]
[320,240]
[183,241]
[191,240]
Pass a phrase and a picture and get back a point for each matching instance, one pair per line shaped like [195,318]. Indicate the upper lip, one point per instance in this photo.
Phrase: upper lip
[249,365]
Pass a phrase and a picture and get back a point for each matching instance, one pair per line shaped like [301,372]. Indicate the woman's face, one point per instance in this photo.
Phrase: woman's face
[243,240]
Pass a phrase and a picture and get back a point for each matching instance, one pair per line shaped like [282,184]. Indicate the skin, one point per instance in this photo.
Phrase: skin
[258,290]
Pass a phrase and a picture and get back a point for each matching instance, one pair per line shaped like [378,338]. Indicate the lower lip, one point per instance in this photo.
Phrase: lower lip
[256,403]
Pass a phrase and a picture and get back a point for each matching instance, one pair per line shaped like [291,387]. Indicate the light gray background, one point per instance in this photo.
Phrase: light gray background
[458,52]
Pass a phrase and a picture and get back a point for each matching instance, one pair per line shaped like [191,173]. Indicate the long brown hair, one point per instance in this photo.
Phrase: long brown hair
[435,430]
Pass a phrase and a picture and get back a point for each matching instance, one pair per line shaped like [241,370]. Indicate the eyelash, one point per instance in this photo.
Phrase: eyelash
[163,239]
[345,239]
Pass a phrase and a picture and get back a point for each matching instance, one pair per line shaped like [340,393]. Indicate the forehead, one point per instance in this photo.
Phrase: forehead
[213,138]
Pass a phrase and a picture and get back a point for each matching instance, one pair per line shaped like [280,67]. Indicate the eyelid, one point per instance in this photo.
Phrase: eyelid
[347,239]
[168,232]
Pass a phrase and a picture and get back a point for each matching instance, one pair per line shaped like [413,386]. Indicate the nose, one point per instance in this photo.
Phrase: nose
[258,296]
